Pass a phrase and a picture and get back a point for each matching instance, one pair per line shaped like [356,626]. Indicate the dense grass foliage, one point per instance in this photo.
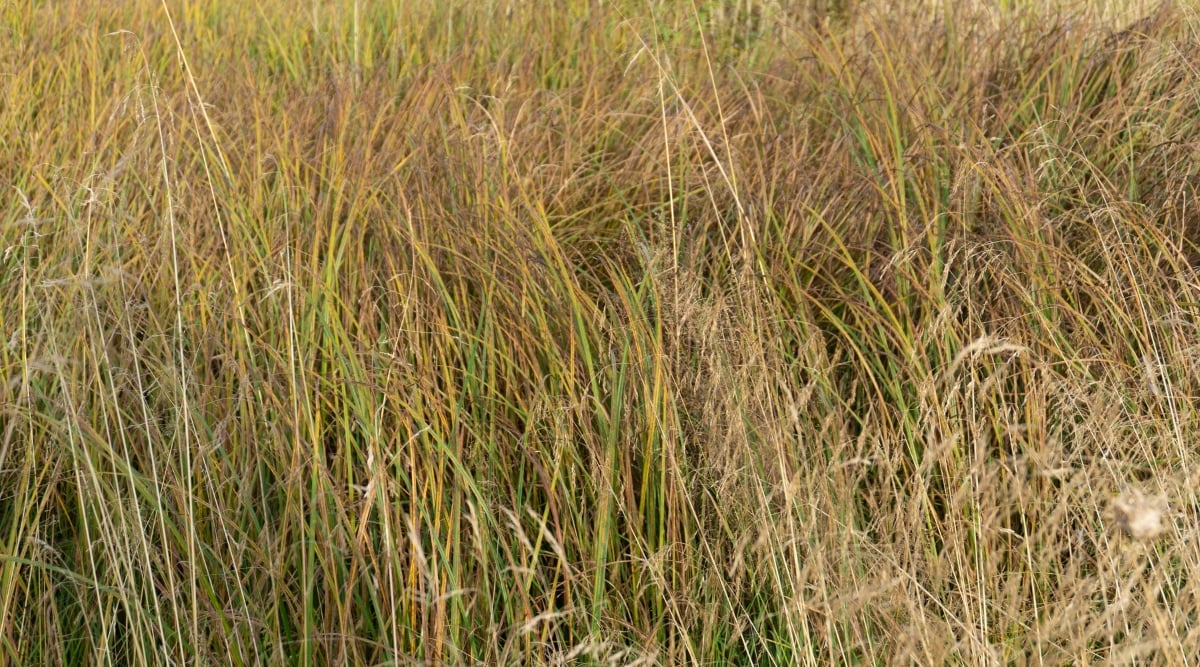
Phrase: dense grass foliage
[632,332]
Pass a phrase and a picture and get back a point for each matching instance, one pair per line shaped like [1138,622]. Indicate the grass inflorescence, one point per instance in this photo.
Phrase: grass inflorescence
[599,333]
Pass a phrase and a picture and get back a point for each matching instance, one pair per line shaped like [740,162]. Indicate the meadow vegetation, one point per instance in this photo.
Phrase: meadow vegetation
[599,332]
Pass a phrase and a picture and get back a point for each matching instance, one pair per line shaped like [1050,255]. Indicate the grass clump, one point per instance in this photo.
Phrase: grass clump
[598,333]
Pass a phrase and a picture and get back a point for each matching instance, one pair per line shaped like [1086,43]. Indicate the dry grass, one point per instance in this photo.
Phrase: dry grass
[598,333]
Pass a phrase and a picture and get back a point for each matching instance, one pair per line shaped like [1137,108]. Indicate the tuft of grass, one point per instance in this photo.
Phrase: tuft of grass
[598,333]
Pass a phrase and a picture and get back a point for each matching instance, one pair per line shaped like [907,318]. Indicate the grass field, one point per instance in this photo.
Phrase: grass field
[589,333]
